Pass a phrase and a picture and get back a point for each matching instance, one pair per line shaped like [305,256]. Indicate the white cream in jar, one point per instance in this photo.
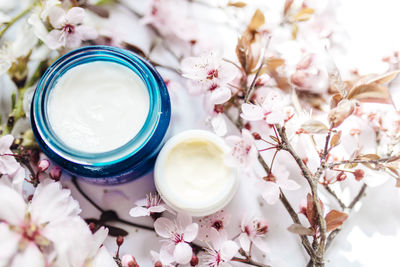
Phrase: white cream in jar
[98,106]
[191,175]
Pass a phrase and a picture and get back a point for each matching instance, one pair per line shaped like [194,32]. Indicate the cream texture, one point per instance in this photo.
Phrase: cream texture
[98,106]
[195,173]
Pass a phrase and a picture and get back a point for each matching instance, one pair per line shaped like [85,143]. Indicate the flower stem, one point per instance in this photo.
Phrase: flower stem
[16,18]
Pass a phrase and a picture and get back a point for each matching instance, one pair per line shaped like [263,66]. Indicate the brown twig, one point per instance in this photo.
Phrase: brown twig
[370,161]
[313,183]
[332,193]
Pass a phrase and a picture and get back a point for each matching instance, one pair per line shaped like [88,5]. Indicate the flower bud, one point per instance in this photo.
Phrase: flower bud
[43,165]
[359,174]
[158,264]
[55,173]
[256,136]
[129,261]
[341,176]
[194,261]
[92,227]
[120,240]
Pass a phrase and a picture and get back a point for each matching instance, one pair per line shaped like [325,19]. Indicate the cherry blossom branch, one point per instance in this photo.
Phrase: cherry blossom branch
[313,183]
[16,18]
[370,161]
[304,240]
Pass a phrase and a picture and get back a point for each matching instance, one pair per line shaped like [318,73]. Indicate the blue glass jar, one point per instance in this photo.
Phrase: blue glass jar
[122,164]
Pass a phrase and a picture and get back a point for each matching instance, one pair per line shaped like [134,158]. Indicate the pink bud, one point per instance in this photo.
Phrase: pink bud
[305,62]
[301,80]
[55,173]
[129,261]
[359,174]
[43,165]
[194,261]
[341,176]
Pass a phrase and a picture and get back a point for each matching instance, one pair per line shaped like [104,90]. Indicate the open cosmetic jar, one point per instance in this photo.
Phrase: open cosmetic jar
[191,175]
[101,113]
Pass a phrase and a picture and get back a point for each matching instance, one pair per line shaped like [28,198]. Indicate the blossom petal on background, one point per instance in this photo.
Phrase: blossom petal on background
[244,241]
[8,243]
[261,244]
[86,32]
[219,125]
[252,112]
[188,67]
[139,212]
[183,219]
[38,27]
[220,95]
[55,39]
[270,192]
[103,258]
[290,185]
[190,232]
[163,227]
[73,40]
[229,250]
[51,203]
[75,15]
[182,253]
[159,208]
[30,256]
[12,204]
[57,17]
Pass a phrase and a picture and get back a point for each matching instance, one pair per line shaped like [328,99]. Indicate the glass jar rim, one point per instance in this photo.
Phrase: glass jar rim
[85,55]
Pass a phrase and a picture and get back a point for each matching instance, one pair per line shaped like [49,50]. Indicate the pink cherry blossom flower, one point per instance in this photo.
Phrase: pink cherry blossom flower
[243,152]
[272,110]
[128,261]
[171,19]
[145,207]
[221,252]
[253,232]
[177,236]
[271,184]
[164,259]
[47,230]
[213,224]
[309,75]
[68,29]
[209,75]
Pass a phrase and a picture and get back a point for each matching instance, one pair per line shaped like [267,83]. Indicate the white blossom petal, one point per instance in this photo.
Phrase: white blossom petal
[13,206]
[75,15]
[139,212]
[163,227]
[229,250]
[252,112]
[57,17]
[220,95]
[190,232]
[244,241]
[183,253]
[30,256]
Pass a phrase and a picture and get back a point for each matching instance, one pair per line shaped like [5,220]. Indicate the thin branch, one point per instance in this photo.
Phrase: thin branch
[313,186]
[332,193]
[370,161]
[304,240]
[250,91]
[77,186]
[16,18]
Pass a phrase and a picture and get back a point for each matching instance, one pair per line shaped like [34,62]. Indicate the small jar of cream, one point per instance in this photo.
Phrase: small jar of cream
[191,175]
[101,113]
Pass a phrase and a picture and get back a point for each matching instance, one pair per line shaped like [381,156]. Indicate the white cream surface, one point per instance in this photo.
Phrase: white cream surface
[98,106]
[195,174]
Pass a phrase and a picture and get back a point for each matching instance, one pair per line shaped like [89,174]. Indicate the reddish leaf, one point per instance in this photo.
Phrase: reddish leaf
[304,14]
[300,229]
[288,4]
[334,219]
[311,211]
